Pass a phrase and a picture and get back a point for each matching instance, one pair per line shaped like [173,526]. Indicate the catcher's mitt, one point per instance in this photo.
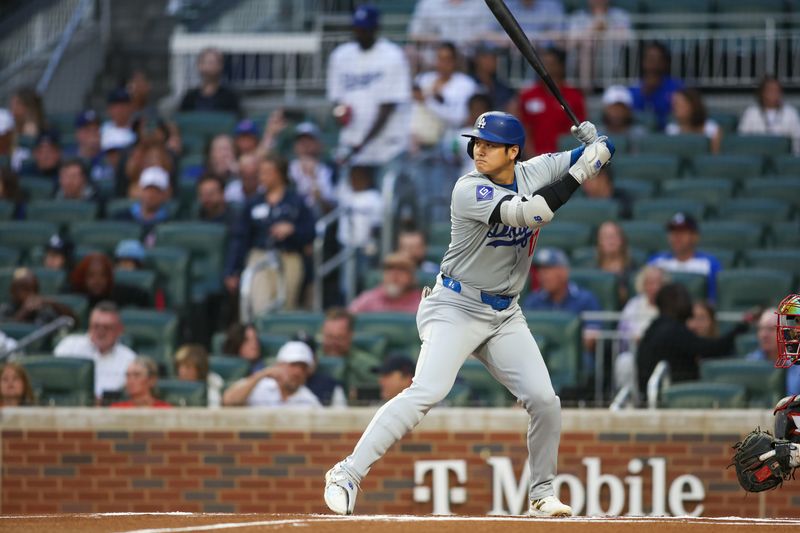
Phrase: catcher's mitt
[762,462]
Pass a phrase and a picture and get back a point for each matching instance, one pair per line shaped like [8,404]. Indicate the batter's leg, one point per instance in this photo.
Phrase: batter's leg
[514,359]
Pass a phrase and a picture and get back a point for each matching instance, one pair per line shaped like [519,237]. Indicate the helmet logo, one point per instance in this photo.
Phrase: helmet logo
[481,122]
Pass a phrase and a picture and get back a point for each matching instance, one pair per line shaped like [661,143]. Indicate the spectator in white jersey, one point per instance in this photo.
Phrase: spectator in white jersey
[771,115]
[369,85]
[445,90]
[311,175]
[683,235]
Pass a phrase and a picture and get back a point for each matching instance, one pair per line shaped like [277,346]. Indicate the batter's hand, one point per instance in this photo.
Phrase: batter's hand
[585,133]
[593,158]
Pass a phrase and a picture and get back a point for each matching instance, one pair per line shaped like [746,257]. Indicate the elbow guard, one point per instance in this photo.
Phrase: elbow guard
[526,212]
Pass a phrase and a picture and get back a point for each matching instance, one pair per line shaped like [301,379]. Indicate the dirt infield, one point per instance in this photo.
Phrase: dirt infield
[185,522]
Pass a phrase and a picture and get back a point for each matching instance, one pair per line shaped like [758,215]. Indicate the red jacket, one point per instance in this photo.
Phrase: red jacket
[543,118]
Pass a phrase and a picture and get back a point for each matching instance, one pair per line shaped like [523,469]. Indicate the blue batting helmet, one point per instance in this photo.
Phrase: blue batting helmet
[497,127]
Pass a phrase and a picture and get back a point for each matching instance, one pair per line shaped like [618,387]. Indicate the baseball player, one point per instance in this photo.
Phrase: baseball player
[497,211]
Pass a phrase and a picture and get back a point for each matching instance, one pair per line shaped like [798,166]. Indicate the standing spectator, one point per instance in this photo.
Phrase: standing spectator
[102,345]
[191,364]
[540,112]
[414,245]
[364,207]
[242,340]
[771,115]
[27,108]
[598,34]
[212,94]
[94,278]
[336,334]
[614,256]
[141,378]
[457,21]
[394,376]
[445,90]
[57,253]
[484,72]
[211,202]
[279,220]
[282,384]
[683,236]
[150,210]
[397,293]
[311,176]
[120,116]
[653,94]
[46,156]
[145,112]
[73,182]
[221,157]
[150,150]
[602,187]
[369,84]
[246,185]
[25,304]
[15,386]
[703,321]
[541,20]
[690,115]
[768,348]
[641,310]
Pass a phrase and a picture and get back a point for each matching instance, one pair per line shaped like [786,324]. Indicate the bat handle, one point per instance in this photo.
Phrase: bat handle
[568,110]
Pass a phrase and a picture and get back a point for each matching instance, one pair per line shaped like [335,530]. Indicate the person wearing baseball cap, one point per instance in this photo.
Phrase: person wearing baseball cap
[87,137]
[120,117]
[46,156]
[311,175]
[246,136]
[398,291]
[57,253]
[150,210]
[129,255]
[683,236]
[394,375]
[282,384]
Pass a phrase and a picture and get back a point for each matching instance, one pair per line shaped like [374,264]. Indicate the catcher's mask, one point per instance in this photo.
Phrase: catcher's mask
[787,418]
[788,331]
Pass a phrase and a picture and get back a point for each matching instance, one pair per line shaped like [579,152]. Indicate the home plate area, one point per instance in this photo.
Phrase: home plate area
[186,522]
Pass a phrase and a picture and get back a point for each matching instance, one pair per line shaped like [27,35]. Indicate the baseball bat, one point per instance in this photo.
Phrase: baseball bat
[514,31]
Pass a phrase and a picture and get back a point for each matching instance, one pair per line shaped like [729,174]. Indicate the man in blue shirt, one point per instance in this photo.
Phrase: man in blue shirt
[653,94]
[768,349]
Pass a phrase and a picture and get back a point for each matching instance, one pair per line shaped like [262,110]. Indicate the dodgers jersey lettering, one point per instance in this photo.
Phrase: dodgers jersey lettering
[495,258]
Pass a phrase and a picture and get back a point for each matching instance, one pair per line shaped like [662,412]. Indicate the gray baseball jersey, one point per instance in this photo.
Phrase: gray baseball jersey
[495,258]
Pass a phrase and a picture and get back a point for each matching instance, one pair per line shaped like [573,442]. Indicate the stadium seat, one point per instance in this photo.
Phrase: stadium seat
[729,166]
[205,242]
[152,333]
[172,267]
[290,323]
[78,303]
[103,235]
[588,211]
[712,191]
[400,330]
[683,146]
[765,146]
[756,210]
[205,123]
[144,280]
[24,235]
[9,257]
[726,120]
[727,258]
[435,252]
[636,188]
[567,142]
[564,235]
[372,344]
[773,187]
[50,281]
[61,212]
[6,210]
[335,367]
[600,283]
[730,235]
[784,234]
[37,188]
[745,343]
[647,167]
[786,259]
[755,376]
[744,288]
[484,390]
[561,332]
[229,368]
[696,284]
[61,381]
[18,330]
[661,209]
[182,393]
[439,234]
[271,343]
[703,395]
[645,234]
[787,165]
[586,256]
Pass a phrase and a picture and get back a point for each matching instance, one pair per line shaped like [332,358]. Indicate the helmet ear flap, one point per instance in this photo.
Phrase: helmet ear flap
[471,148]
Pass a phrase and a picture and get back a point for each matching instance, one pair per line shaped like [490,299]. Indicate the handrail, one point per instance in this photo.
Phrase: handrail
[345,256]
[658,379]
[63,42]
[63,321]
[388,184]
[621,399]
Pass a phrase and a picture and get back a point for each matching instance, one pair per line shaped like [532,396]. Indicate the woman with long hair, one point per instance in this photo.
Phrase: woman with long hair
[690,116]
[613,255]
[94,277]
[15,386]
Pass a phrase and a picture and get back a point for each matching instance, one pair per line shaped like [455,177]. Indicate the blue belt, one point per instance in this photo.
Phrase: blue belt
[495,301]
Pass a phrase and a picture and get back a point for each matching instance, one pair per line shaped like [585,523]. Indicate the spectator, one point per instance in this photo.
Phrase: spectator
[394,375]
[457,21]
[602,187]
[150,210]
[365,205]
[397,293]
[328,390]
[7,137]
[456,143]
[129,255]
[618,117]
[94,278]
[149,151]
[242,340]
[683,236]
[703,321]
[211,202]
[540,112]
[212,94]
[87,137]
[146,114]
[768,348]
[102,345]
[27,108]
[278,220]
[598,35]
[771,115]
[15,386]
[282,384]
[337,341]
[246,186]
[46,156]
[641,310]
[669,339]
[614,256]
[557,293]
[191,364]
[10,191]
[484,72]
[113,146]
[25,304]
[221,158]
[311,176]
[444,91]
[413,244]
[57,253]
[369,85]
[541,20]
[690,116]
[246,137]
[120,117]
[141,378]
[73,182]
[653,94]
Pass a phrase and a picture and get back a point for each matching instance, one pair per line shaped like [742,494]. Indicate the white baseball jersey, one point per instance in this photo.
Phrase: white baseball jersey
[495,258]
[452,109]
[363,80]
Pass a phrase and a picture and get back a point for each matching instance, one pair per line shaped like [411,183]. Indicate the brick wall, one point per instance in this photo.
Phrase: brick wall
[262,461]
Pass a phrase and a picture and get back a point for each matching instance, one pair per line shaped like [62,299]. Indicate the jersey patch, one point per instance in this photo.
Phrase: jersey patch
[484,193]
